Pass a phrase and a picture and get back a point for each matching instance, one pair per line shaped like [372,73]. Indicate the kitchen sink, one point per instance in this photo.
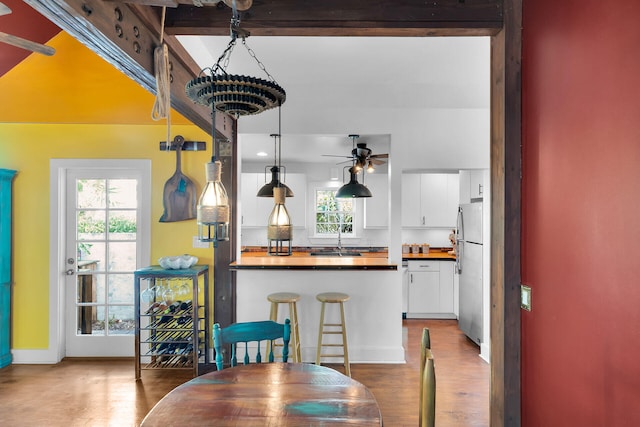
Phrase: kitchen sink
[335,253]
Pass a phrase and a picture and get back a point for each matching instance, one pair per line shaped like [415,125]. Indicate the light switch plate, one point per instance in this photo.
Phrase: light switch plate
[198,244]
[525,297]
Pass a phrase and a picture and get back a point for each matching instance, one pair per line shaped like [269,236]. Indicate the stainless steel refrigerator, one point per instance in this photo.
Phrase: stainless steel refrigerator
[469,267]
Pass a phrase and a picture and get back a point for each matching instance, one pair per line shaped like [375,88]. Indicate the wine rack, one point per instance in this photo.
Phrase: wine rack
[172,319]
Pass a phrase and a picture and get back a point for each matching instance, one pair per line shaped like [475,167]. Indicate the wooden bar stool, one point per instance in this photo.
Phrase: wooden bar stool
[333,298]
[291,299]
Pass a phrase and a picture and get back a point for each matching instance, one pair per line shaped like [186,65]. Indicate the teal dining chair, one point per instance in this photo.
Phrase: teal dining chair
[250,332]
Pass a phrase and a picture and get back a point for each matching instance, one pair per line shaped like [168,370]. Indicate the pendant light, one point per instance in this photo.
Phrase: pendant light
[267,189]
[213,205]
[353,188]
[279,227]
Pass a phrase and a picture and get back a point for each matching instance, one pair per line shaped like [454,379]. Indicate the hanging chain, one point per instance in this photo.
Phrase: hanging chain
[260,64]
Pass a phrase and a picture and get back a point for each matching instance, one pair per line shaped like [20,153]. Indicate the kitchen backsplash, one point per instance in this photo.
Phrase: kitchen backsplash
[258,237]
[433,237]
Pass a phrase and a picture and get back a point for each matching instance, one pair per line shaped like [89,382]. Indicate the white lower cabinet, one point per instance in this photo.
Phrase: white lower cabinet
[430,290]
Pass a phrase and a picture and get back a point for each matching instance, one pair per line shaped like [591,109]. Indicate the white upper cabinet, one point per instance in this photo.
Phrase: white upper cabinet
[472,184]
[256,210]
[411,213]
[430,200]
[376,207]
[465,186]
[476,184]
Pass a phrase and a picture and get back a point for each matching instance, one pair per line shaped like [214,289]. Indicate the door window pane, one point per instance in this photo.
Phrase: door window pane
[122,256]
[91,193]
[122,225]
[123,193]
[120,288]
[121,320]
[92,251]
[91,224]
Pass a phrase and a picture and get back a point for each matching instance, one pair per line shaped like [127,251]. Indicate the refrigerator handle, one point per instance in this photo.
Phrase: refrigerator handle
[458,221]
[459,225]
[459,251]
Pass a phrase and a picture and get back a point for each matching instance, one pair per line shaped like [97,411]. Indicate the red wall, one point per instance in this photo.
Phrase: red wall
[581,213]
[24,22]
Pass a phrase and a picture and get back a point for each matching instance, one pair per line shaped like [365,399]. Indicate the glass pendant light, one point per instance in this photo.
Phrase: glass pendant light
[279,227]
[213,206]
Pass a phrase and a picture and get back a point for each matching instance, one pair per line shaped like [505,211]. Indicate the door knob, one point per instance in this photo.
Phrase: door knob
[70,272]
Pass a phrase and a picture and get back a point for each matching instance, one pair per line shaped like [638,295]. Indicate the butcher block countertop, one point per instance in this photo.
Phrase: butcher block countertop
[302,260]
[433,254]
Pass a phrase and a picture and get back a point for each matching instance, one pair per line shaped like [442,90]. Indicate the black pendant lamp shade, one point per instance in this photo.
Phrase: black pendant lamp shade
[353,188]
[267,189]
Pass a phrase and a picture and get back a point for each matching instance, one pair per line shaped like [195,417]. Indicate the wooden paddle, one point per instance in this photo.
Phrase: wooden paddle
[179,198]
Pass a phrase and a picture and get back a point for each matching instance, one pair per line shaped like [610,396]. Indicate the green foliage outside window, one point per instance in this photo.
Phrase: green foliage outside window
[117,224]
[332,214]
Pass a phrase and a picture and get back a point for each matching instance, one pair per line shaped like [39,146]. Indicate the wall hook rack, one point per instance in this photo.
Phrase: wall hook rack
[186,146]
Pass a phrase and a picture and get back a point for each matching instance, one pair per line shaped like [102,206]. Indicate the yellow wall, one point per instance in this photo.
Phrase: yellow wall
[74,86]
[27,149]
[75,105]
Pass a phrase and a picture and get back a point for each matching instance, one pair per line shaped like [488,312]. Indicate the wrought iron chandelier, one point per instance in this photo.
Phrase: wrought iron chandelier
[231,93]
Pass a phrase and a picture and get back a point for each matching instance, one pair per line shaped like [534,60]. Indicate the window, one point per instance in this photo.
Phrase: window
[333,214]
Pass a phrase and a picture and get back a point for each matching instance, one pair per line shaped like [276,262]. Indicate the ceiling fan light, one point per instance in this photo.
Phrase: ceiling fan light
[370,167]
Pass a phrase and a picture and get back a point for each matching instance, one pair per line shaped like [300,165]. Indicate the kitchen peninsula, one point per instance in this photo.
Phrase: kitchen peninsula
[373,313]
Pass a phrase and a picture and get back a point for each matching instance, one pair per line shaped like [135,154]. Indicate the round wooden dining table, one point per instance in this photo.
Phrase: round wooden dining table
[268,394]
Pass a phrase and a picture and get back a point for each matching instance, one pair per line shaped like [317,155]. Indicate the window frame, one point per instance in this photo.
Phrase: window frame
[316,211]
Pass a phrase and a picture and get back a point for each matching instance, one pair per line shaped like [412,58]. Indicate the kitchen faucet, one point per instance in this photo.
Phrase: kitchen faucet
[340,235]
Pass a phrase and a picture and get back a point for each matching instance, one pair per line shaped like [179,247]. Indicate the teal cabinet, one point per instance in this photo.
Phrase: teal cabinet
[6,178]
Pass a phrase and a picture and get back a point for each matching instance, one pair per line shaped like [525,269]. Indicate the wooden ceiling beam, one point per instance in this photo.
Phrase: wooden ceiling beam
[410,18]
[126,37]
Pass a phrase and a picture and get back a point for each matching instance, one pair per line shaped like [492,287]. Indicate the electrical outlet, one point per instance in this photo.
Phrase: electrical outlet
[525,297]
[198,244]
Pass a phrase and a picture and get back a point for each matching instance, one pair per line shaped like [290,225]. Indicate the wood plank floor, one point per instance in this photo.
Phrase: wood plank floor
[84,392]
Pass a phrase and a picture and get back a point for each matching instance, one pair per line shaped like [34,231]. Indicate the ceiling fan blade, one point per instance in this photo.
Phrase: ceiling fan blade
[4,9]
[26,44]
[334,155]
[380,156]
[377,162]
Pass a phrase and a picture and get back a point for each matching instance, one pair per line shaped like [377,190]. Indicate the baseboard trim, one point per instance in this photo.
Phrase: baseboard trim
[34,357]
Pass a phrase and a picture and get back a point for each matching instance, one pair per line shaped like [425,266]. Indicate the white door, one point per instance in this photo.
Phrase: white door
[105,242]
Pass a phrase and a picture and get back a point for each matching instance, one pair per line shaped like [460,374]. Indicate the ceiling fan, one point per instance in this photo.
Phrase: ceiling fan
[20,42]
[361,156]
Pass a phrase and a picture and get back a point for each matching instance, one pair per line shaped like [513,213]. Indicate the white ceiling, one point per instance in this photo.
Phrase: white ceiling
[349,74]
